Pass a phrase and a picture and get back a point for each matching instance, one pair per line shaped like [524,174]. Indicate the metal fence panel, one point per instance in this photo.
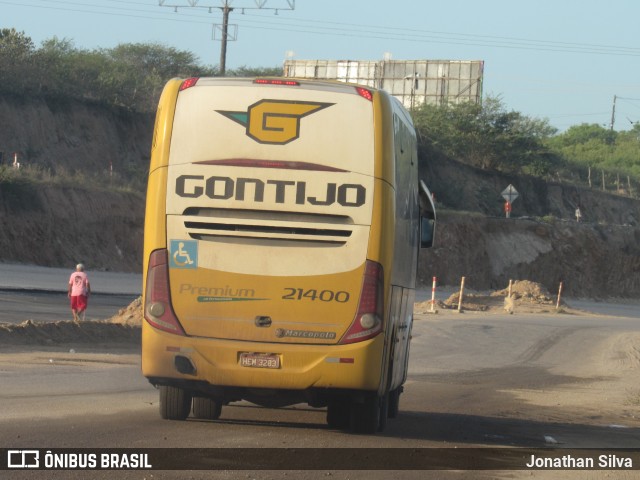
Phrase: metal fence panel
[413,82]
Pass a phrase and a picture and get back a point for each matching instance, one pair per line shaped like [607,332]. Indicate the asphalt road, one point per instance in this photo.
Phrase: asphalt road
[475,380]
[29,292]
[44,306]
[32,277]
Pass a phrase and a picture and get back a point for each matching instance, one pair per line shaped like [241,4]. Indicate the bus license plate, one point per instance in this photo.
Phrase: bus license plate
[259,360]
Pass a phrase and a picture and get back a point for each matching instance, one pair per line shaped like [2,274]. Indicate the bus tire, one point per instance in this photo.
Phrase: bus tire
[206,408]
[394,402]
[175,403]
[365,416]
[338,415]
[384,412]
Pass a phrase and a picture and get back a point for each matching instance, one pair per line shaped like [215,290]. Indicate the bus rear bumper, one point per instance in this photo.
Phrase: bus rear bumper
[217,364]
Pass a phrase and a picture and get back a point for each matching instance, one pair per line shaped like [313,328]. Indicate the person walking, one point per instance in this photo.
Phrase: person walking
[78,292]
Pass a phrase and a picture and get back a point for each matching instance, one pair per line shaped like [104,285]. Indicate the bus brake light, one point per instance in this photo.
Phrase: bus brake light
[365,93]
[157,308]
[188,83]
[276,81]
[368,321]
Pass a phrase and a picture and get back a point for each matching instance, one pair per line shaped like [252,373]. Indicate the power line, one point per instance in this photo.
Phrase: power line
[318,27]
[435,39]
[489,39]
[226,8]
[629,99]
[146,13]
[566,115]
[429,34]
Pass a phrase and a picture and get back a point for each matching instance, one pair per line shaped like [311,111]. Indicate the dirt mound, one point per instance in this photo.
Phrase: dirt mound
[525,290]
[68,332]
[130,315]
[425,307]
[526,297]
[124,327]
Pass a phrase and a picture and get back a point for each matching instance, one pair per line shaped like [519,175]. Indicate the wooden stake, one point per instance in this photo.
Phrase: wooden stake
[509,302]
[460,298]
[433,295]
[559,295]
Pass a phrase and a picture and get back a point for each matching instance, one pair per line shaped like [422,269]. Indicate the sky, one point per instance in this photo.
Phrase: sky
[560,60]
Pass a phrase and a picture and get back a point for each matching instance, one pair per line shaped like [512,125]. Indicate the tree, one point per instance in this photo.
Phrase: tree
[585,132]
[16,61]
[15,43]
[487,136]
[245,71]
[137,73]
[594,146]
[130,75]
[55,65]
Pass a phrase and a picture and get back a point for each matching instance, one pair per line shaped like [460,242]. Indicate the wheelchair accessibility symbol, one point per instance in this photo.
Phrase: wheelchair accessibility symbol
[183,254]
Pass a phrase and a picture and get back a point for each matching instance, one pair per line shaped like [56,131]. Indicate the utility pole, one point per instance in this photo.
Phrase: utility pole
[225,7]
[613,112]
[226,10]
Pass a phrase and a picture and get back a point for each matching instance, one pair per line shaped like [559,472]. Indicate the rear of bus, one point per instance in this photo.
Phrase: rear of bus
[268,228]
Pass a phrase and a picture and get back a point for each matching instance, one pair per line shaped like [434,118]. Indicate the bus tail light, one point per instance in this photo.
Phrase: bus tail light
[276,81]
[157,308]
[188,83]
[365,93]
[368,321]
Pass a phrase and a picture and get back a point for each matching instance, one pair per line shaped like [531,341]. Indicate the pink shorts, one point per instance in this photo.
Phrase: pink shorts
[79,303]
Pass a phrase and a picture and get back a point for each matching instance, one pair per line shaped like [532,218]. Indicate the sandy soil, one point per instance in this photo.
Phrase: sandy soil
[121,328]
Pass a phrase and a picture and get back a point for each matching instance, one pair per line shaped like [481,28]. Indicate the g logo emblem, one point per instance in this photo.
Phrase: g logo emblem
[275,122]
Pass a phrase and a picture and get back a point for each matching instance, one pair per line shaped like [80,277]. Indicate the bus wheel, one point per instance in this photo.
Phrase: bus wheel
[175,403]
[365,417]
[394,402]
[206,408]
[384,412]
[338,415]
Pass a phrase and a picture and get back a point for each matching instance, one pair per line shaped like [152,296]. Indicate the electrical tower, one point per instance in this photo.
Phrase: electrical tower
[226,7]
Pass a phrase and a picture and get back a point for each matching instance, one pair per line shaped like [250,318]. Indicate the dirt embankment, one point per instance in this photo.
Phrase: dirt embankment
[541,242]
[69,135]
[591,260]
[457,186]
[59,226]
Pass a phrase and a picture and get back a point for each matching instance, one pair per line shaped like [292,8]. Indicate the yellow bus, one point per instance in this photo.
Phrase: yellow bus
[281,239]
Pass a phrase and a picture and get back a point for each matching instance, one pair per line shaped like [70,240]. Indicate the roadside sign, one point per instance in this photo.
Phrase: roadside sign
[510,193]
